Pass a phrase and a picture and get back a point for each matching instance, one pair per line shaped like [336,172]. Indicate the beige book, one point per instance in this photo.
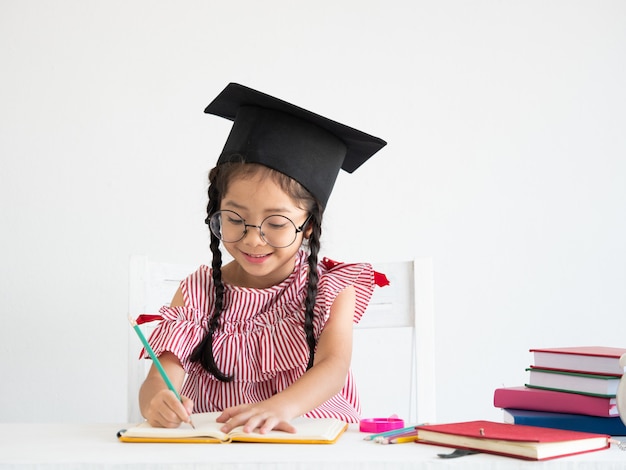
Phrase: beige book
[207,430]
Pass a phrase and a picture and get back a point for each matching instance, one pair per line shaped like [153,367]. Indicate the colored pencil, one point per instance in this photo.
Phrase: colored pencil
[404,439]
[393,432]
[156,362]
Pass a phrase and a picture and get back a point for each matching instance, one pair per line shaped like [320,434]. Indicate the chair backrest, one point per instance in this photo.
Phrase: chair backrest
[393,349]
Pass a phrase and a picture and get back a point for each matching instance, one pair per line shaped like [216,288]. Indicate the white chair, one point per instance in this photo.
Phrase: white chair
[393,358]
[393,350]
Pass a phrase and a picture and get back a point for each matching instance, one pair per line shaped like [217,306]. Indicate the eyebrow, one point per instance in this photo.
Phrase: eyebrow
[272,210]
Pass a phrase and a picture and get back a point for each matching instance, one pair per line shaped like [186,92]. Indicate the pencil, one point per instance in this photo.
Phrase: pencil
[412,432]
[393,432]
[156,362]
[402,440]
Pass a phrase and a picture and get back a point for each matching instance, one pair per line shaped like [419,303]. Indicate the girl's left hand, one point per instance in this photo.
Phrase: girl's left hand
[255,415]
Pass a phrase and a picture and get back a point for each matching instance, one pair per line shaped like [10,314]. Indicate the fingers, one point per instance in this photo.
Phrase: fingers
[253,419]
[233,417]
[269,424]
[286,427]
[188,405]
[225,416]
[167,411]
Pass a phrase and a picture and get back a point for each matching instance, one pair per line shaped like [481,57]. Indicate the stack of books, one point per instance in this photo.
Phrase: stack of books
[568,388]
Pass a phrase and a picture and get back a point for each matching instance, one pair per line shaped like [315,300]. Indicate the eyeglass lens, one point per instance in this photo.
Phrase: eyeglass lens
[276,230]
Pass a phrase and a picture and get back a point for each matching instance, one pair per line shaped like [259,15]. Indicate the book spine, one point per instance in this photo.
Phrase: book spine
[573,382]
[567,421]
[555,401]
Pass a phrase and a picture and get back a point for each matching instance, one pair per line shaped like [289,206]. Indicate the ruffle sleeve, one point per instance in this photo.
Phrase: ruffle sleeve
[335,276]
[179,331]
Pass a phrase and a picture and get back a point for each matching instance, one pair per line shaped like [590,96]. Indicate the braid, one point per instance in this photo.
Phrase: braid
[311,294]
[218,181]
[203,352]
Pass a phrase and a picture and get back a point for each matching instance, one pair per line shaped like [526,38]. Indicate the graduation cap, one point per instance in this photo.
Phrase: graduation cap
[303,145]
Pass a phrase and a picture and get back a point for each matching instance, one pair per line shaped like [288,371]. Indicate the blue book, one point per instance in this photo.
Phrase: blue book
[612,426]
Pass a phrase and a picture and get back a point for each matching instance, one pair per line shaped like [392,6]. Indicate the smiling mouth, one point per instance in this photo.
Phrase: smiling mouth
[252,255]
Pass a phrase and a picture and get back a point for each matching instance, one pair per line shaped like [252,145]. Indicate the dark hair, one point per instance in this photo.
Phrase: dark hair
[219,178]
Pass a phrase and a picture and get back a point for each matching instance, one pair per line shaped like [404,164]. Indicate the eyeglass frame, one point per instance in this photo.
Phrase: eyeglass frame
[299,229]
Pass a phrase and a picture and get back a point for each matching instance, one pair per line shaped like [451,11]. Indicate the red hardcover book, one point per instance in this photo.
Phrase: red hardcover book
[512,440]
[589,359]
[536,399]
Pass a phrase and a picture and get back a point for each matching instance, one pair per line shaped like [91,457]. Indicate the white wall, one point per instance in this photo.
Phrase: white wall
[506,164]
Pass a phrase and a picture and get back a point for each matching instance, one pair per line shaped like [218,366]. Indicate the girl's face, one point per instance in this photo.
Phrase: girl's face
[258,264]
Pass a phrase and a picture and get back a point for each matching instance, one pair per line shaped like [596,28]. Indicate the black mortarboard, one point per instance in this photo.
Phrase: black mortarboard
[303,145]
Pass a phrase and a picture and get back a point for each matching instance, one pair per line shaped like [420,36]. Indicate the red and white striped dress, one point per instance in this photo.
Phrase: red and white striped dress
[261,341]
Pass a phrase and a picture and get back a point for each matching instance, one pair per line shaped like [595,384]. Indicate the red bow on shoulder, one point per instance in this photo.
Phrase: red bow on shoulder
[147,318]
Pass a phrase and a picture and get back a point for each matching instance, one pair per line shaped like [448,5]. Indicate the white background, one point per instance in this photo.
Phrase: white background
[506,164]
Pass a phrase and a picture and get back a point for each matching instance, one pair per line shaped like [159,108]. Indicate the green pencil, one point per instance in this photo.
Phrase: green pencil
[156,362]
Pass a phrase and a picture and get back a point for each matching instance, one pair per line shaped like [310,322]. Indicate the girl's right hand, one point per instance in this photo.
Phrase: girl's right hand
[166,411]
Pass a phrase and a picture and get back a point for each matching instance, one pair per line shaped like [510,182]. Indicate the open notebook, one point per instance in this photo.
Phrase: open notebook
[207,430]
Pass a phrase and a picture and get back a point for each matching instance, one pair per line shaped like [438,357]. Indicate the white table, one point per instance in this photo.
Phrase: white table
[95,446]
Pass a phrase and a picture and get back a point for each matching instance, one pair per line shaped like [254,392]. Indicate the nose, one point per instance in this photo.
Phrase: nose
[257,238]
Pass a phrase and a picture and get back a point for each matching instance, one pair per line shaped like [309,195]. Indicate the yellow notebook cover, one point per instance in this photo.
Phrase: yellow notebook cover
[207,431]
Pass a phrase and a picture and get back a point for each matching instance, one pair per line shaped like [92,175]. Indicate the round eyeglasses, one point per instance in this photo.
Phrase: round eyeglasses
[277,231]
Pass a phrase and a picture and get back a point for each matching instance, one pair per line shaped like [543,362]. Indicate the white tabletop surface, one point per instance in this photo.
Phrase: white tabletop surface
[95,446]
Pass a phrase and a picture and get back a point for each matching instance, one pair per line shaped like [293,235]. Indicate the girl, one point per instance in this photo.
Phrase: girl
[267,336]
